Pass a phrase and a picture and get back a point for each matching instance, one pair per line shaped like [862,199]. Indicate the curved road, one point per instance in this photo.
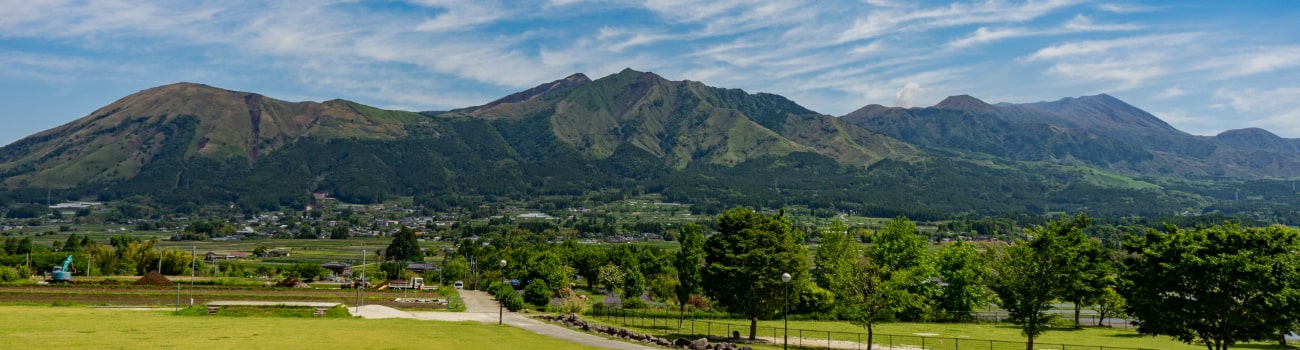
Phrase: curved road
[479,306]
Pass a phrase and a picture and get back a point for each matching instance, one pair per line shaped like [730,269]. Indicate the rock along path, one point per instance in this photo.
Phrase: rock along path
[482,308]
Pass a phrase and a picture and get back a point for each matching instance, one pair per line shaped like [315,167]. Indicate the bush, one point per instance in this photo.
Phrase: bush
[699,302]
[537,293]
[9,274]
[634,303]
[573,303]
[506,295]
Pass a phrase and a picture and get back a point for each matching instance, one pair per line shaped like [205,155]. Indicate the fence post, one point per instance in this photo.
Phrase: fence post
[828,340]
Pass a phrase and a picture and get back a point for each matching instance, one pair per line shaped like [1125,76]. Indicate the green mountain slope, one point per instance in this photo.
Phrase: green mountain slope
[578,140]
[117,141]
[1096,131]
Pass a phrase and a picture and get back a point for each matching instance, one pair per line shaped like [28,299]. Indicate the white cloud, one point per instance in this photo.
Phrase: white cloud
[1127,8]
[1274,109]
[1255,61]
[889,20]
[984,35]
[1171,92]
[1078,24]
[1095,47]
[462,15]
[904,96]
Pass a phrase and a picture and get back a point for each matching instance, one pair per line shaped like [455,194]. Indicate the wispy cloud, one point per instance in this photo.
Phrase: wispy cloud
[1127,8]
[893,19]
[831,55]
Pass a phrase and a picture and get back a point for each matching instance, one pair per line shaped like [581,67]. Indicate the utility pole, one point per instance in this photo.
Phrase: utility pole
[193,266]
[362,293]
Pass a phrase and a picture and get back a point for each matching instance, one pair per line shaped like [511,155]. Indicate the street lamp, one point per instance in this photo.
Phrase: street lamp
[785,309]
[501,305]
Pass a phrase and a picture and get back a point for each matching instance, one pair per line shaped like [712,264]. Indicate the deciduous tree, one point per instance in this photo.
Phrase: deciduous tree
[965,273]
[1219,285]
[404,247]
[745,260]
[1028,276]
[687,261]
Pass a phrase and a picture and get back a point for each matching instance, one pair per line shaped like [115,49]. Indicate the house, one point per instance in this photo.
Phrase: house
[236,255]
[338,268]
[420,268]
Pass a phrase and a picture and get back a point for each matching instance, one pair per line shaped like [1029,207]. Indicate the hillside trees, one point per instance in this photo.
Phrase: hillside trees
[1219,285]
[745,260]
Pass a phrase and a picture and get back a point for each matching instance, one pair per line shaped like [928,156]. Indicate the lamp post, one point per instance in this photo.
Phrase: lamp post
[501,305]
[785,309]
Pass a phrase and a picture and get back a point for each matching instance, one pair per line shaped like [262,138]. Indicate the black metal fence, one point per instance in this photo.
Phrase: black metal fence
[1085,320]
[814,339]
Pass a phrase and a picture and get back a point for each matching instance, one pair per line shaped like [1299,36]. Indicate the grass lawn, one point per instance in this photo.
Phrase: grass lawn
[942,336]
[45,327]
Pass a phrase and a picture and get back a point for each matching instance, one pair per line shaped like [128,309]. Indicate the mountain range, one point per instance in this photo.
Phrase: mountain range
[631,133]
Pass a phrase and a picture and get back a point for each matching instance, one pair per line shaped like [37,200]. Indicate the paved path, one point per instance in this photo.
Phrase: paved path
[482,308]
[272,303]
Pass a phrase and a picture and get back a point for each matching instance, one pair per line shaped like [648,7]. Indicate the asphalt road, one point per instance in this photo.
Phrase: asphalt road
[479,306]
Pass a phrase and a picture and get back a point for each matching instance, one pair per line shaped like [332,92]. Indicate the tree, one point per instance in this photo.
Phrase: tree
[633,284]
[1089,269]
[965,273]
[404,247]
[455,269]
[878,286]
[745,260]
[339,232]
[611,276]
[538,294]
[687,261]
[1029,275]
[900,248]
[836,247]
[1109,305]
[866,293]
[1219,285]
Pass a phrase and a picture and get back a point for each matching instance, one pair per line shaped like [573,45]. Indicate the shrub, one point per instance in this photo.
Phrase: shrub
[699,302]
[573,303]
[9,274]
[634,303]
[537,293]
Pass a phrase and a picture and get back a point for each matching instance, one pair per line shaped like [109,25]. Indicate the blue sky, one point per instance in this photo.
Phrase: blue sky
[1203,66]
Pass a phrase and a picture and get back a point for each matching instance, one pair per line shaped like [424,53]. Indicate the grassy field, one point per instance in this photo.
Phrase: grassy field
[940,336]
[45,327]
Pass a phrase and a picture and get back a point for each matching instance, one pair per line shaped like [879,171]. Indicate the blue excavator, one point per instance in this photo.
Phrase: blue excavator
[62,274]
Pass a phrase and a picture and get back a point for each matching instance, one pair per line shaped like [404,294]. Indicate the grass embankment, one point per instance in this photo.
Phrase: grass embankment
[940,336]
[44,327]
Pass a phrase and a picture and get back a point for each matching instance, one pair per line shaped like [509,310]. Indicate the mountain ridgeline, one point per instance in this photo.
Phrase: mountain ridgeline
[577,140]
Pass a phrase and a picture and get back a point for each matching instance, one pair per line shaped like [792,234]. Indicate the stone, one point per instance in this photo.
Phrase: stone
[682,343]
[700,344]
